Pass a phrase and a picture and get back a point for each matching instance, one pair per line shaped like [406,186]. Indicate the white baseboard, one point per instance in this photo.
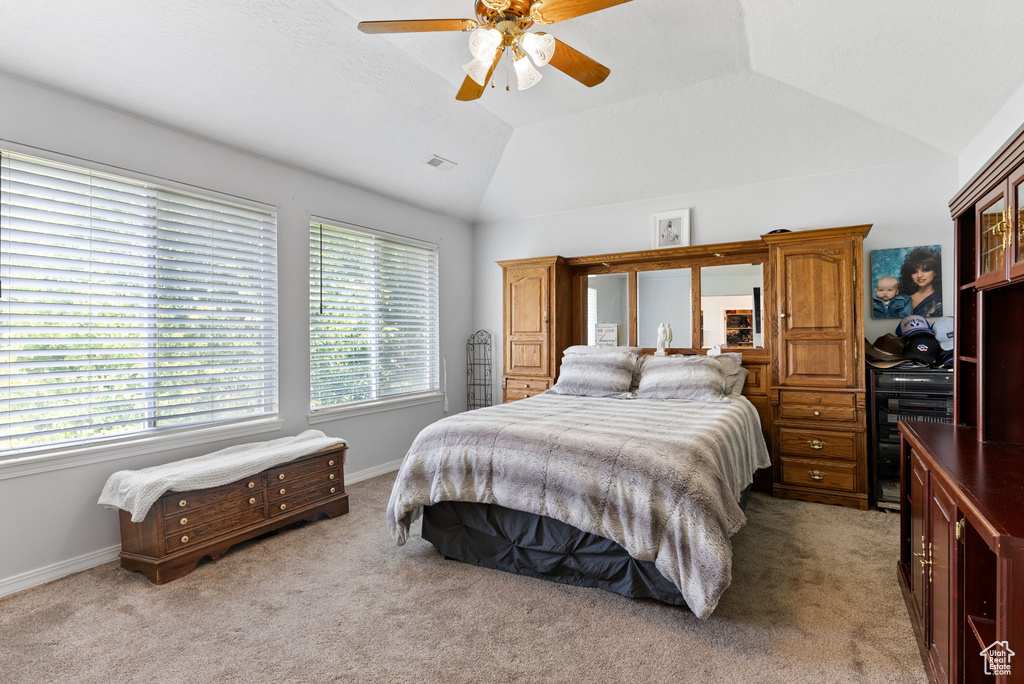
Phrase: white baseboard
[352,478]
[49,573]
[60,569]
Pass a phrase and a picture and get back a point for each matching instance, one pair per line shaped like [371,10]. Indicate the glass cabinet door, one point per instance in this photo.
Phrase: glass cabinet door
[1017,224]
[993,231]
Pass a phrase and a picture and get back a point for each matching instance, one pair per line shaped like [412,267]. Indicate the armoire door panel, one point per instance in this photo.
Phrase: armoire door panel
[817,362]
[527,357]
[816,312]
[816,292]
[527,300]
[918,487]
[941,574]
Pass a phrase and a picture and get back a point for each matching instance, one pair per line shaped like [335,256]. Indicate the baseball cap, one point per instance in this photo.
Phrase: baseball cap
[924,348]
[944,329]
[912,325]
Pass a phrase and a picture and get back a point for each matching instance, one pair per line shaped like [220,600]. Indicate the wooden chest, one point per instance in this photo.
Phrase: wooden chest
[183,527]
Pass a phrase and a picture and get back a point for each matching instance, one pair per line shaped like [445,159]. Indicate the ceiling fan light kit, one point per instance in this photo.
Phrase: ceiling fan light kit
[503,26]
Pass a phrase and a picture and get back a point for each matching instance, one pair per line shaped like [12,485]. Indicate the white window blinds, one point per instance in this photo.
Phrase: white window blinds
[128,307]
[373,316]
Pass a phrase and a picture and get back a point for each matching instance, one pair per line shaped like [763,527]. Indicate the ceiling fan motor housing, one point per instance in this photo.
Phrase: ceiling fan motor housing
[516,10]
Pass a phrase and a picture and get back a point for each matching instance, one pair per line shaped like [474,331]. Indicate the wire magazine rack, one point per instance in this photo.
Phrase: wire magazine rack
[479,382]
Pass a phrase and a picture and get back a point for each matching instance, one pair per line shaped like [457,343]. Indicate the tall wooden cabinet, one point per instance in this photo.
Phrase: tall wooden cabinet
[818,389]
[537,323]
[961,564]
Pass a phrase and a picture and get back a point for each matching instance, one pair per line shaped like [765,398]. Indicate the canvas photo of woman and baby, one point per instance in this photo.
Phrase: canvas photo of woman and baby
[907,281]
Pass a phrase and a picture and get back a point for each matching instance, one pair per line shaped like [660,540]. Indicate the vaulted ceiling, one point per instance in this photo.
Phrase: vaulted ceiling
[702,94]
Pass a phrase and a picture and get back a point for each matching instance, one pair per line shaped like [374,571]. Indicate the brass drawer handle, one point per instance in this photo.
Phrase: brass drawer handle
[330,463]
[332,476]
[333,489]
[252,500]
[184,540]
[184,521]
[817,444]
[817,475]
[183,503]
[281,476]
[284,506]
[281,491]
[251,485]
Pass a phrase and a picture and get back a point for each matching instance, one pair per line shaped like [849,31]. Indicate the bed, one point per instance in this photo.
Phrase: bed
[637,496]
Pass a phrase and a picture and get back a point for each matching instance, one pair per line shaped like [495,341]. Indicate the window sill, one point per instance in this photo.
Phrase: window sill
[60,458]
[363,408]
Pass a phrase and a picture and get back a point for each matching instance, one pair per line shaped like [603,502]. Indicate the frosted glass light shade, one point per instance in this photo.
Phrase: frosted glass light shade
[478,68]
[484,42]
[526,75]
[540,46]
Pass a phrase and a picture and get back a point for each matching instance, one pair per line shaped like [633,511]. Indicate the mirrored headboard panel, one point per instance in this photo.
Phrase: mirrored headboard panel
[706,294]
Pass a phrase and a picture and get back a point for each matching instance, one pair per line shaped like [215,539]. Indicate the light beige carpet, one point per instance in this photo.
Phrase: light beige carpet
[814,599]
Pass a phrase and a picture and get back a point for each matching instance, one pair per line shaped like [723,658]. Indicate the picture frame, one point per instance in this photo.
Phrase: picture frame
[607,334]
[671,229]
[906,281]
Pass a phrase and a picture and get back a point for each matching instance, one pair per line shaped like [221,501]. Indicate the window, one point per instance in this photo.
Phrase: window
[373,316]
[129,307]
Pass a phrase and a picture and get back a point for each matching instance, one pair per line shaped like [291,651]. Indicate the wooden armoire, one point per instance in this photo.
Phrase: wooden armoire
[807,382]
[818,371]
[961,556]
[537,323]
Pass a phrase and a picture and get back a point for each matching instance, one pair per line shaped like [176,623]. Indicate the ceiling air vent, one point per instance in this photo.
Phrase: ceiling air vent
[441,163]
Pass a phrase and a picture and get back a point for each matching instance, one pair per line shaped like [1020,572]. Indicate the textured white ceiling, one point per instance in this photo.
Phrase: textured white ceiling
[934,69]
[703,93]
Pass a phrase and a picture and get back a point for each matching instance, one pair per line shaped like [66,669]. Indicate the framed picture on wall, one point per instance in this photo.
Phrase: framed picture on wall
[906,281]
[672,229]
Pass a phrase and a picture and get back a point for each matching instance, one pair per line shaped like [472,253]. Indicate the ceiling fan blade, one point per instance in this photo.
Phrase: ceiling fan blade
[552,11]
[417,25]
[574,63]
[471,90]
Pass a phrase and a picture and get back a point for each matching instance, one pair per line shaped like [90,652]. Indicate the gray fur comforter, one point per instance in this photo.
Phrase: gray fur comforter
[662,478]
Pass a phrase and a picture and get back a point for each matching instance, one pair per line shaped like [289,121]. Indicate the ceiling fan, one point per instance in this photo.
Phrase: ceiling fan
[503,26]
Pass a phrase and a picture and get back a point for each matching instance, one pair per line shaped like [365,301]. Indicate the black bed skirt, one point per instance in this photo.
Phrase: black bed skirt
[492,536]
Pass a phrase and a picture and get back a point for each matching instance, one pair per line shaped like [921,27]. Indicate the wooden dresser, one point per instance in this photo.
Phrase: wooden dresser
[961,563]
[818,390]
[183,527]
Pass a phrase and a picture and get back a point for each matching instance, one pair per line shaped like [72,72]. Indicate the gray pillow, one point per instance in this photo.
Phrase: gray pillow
[596,375]
[732,364]
[698,378]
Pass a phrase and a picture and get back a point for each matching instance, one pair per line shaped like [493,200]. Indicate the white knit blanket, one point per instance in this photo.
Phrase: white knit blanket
[136,491]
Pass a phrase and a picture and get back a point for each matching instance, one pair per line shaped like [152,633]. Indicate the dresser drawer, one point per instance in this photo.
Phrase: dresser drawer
[813,443]
[213,528]
[293,471]
[179,503]
[197,518]
[806,472]
[297,484]
[838,407]
[307,497]
[526,384]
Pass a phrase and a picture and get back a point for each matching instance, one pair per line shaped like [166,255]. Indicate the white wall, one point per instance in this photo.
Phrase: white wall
[907,205]
[51,518]
[991,137]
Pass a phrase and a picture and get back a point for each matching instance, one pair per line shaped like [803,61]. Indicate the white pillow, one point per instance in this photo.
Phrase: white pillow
[698,378]
[596,375]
